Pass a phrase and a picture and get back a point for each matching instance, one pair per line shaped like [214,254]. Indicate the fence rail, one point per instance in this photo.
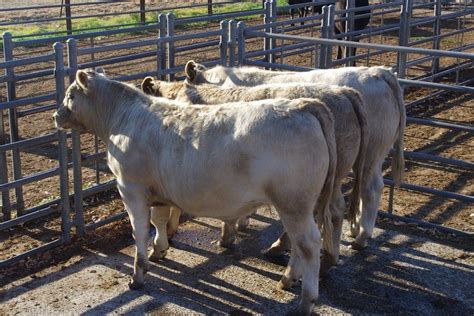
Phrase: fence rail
[231,41]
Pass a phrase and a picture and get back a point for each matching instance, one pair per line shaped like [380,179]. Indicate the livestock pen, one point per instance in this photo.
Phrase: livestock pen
[55,185]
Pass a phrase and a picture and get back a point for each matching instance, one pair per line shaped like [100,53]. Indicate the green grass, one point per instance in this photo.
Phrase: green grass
[36,31]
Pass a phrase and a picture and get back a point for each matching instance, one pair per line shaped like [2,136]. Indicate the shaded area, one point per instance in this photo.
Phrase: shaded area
[398,273]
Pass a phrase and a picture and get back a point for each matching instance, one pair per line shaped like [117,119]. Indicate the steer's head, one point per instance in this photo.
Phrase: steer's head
[77,108]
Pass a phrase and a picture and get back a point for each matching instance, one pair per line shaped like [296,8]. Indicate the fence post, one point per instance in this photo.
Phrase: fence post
[62,144]
[436,33]
[5,206]
[273,18]
[240,43]
[76,147]
[266,20]
[142,12]
[232,41]
[160,48]
[404,37]
[13,119]
[67,4]
[5,201]
[330,34]
[324,34]
[224,41]
[209,7]
[170,45]
[349,28]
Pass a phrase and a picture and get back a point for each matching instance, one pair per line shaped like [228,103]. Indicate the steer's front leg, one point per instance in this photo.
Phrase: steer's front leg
[139,212]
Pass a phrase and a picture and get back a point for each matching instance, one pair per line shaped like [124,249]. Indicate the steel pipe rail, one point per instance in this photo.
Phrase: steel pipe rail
[440,124]
[40,140]
[440,228]
[445,194]
[427,157]
[388,48]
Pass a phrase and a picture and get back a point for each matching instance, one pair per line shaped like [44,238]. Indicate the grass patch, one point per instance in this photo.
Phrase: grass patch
[53,29]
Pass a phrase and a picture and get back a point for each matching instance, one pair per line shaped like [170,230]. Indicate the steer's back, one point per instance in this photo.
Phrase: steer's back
[212,160]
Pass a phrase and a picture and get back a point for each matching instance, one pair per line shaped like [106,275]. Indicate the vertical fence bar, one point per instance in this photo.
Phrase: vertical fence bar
[209,7]
[273,18]
[67,4]
[323,49]
[62,145]
[5,201]
[240,43]
[170,45]
[160,48]
[436,33]
[349,28]
[224,41]
[232,41]
[266,20]
[76,147]
[404,36]
[330,34]
[13,119]
[142,12]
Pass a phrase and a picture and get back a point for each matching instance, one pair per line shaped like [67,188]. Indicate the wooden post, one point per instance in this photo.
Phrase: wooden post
[67,4]
[142,12]
[209,7]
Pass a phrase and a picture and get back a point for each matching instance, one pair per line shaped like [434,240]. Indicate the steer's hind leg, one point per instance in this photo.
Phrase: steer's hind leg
[173,223]
[371,195]
[306,246]
[139,213]
[160,216]
[337,211]
[228,233]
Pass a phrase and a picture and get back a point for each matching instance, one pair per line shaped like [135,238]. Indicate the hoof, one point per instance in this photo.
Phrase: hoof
[326,266]
[134,285]
[354,245]
[170,233]
[354,231]
[285,284]
[274,252]
[155,256]
[226,244]
[243,223]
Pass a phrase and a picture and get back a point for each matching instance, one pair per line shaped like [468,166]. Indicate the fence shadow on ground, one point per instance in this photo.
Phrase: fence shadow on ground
[396,273]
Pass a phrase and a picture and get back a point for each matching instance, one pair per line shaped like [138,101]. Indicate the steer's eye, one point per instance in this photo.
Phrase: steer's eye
[71,97]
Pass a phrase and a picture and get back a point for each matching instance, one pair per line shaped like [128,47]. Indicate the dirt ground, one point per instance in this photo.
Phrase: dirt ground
[398,273]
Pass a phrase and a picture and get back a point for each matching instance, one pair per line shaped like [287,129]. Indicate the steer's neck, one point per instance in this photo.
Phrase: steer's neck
[113,108]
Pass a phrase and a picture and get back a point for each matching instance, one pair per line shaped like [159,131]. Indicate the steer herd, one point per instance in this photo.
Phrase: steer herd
[228,140]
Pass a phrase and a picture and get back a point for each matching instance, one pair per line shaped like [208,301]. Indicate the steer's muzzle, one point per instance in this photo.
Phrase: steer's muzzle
[61,118]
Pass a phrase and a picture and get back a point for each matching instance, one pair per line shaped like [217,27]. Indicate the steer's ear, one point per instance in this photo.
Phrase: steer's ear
[82,79]
[190,70]
[147,85]
[100,70]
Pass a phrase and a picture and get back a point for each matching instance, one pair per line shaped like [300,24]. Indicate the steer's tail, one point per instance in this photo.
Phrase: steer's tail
[361,113]
[398,160]
[322,209]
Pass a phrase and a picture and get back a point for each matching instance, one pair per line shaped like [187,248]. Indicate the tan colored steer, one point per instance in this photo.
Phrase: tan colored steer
[386,118]
[214,161]
[350,129]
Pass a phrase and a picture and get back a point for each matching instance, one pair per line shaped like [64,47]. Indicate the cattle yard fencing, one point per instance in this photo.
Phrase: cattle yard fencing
[232,40]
